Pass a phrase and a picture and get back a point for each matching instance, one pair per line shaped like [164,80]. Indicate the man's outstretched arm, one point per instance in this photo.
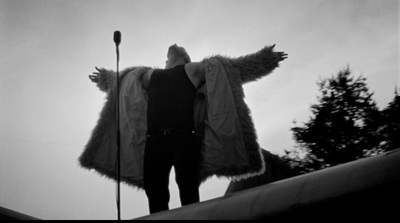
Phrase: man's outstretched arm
[256,65]
[103,78]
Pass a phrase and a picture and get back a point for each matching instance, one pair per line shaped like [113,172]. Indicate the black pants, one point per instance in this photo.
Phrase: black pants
[162,151]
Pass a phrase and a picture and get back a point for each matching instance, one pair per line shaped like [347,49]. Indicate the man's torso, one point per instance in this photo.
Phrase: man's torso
[171,96]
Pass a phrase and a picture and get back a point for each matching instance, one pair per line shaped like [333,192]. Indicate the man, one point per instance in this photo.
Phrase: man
[164,113]
[171,136]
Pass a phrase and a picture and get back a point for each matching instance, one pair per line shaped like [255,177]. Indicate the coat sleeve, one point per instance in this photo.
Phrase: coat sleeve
[259,64]
[106,79]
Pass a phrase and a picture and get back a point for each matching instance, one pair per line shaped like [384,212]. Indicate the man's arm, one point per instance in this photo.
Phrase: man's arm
[103,78]
[256,65]
[146,79]
[196,73]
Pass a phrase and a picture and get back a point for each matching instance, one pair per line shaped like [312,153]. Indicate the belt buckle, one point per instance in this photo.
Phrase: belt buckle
[166,132]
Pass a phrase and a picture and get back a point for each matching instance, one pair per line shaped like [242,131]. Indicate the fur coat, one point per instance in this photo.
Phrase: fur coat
[229,140]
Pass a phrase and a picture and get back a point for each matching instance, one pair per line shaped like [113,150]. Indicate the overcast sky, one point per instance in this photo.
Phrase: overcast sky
[48,106]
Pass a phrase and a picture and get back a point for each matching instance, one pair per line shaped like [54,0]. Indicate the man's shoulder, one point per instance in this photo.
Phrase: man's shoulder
[195,72]
[194,67]
[146,78]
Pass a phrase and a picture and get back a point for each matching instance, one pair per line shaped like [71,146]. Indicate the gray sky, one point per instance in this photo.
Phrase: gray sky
[48,106]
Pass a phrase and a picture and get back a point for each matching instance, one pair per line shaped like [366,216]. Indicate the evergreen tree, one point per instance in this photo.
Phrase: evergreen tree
[343,126]
[390,126]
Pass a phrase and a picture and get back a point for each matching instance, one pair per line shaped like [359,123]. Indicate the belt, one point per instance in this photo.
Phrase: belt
[169,131]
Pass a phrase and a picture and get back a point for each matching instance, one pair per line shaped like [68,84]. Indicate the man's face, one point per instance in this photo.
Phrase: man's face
[174,52]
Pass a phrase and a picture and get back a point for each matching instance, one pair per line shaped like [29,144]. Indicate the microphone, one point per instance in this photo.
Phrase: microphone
[117,41]
[117,37]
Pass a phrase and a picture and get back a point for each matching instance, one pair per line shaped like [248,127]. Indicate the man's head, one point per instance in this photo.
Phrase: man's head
[176,55]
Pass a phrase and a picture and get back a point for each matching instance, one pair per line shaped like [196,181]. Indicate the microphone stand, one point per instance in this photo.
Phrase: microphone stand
[117,40]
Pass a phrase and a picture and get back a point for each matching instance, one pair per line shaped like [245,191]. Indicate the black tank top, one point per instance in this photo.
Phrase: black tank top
[171,96]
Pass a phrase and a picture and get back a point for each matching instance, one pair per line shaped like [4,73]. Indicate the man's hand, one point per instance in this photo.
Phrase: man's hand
[94,78]
[281,55]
